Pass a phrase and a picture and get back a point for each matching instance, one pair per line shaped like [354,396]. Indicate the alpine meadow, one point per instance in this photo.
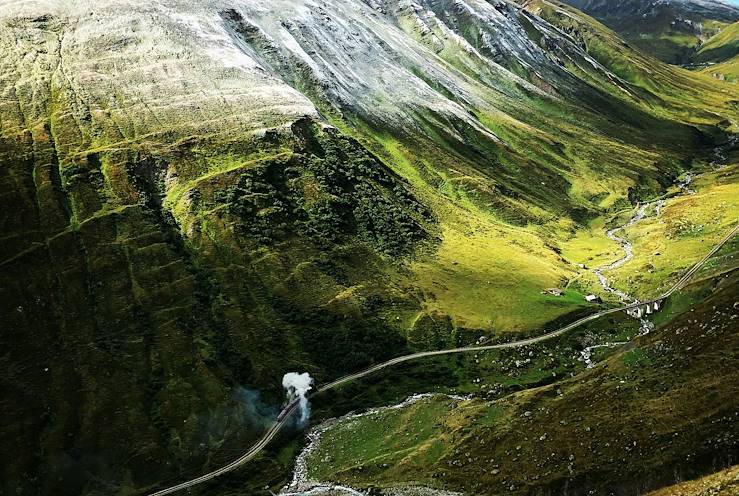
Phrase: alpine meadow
[369,247]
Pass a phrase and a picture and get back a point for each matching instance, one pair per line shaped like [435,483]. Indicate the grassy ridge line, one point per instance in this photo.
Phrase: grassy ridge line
[284,415]
[720,47]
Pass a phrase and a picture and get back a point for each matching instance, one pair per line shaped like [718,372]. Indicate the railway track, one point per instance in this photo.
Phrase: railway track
[291,407]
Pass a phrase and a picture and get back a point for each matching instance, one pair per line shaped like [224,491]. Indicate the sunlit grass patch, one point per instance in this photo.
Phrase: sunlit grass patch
[636,358]
[394,439]
[493,279]
[689,225]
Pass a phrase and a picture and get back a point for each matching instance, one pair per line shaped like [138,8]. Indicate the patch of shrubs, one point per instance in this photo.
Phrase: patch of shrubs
[355,195]
[346,347]
[264,209]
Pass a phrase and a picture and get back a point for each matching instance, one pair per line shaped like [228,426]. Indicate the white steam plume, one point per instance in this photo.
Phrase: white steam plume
[297,386]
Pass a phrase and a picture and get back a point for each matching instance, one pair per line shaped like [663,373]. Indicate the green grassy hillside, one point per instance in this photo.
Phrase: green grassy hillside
[725,71]
[670,91]
[685,228]
[669,31]
[720,47]
[721,54]
[630,424]
[194,201]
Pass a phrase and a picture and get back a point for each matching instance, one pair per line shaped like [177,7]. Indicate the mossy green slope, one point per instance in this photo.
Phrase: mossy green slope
[631,424]
[668,90]
[720,47]
[725,71]
[669,31]
[185,210]
[148,275]
[721,54]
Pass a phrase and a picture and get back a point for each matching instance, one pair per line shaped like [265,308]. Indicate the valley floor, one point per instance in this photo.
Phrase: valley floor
[379,447]
[438,440]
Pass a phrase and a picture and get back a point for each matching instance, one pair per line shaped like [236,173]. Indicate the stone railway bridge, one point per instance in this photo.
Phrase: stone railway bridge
[647,308]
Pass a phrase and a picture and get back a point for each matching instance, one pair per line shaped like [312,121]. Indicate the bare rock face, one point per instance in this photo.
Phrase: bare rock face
[128,69]
[135,69]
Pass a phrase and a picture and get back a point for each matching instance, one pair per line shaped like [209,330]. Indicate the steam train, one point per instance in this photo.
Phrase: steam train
[287,410]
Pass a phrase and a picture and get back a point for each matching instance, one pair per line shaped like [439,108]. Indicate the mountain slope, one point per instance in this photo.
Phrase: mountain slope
[670,30]
[629,425]
[725,71]
[723,482]
[668,88]
[199,197]
[720,47]
[721,54]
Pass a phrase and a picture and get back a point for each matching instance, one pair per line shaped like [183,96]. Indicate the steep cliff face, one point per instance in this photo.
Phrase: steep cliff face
[200,196]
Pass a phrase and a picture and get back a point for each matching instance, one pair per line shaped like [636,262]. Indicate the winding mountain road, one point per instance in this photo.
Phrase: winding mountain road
[285,414]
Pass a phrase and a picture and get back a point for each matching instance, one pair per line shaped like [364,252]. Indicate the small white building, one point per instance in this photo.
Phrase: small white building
[591,298]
